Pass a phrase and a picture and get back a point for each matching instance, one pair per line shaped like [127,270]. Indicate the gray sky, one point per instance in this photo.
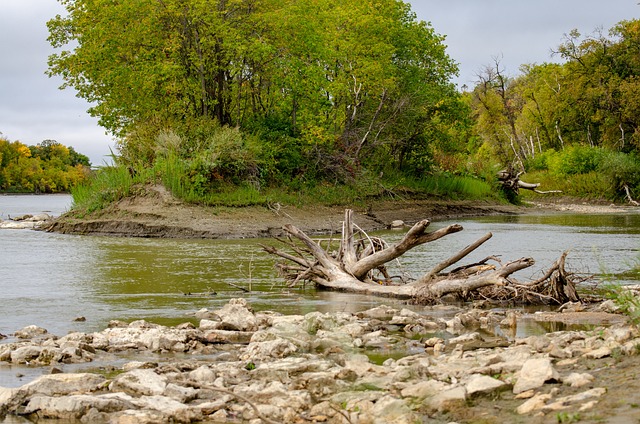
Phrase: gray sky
[32,109]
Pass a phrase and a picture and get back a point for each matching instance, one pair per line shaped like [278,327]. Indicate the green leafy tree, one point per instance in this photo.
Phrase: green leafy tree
[351,81]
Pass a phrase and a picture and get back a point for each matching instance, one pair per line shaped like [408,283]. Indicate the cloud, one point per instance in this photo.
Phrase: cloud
[517,32]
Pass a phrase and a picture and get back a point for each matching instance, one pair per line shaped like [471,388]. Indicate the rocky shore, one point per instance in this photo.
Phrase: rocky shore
[382,365]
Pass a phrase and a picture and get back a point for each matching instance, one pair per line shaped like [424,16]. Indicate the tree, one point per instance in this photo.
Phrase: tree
[353,80]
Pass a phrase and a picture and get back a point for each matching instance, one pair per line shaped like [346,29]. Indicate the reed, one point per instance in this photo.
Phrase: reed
[108,184]
[456,187]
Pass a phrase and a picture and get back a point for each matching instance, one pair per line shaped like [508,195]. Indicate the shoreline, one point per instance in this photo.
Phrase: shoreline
[157,214]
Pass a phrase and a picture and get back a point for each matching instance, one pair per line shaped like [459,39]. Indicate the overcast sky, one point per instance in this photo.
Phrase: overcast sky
[32,109]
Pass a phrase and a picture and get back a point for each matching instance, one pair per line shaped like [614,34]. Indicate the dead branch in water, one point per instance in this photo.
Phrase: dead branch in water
[352,265]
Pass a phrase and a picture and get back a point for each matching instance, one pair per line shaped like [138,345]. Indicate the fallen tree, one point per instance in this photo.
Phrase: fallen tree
[510,180]
[357,264]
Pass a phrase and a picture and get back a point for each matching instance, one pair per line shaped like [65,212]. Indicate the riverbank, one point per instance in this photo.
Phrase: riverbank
[156,213]
[382,365]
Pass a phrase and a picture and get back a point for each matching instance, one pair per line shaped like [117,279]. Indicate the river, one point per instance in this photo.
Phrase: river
[50,280]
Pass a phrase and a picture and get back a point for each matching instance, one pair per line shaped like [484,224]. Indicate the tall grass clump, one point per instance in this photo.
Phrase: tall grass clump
[107,185]
[456,187]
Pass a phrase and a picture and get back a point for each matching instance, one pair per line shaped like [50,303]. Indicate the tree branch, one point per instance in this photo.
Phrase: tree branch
[453,259]
[414,237]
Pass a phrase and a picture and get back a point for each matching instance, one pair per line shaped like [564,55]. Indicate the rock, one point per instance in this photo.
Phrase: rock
[609,306]
[534,373]
[30,332]
[538,343]
[237,316]
[397,224]
[602,352]
[278,348]
[209,324]
[39,217]
[465,338]
[63,384]
[447,399]
[302,366]
[180,393]
[205,314]
[163,409]
[619,334]
[391,410]
[139,382]
[142,335]
[578,379]
[424,389]
[26,354]
[382,312]
[203,375]
[484,385]
[568,401]
[133,365]
[534,404]
[76,406]
[228,337]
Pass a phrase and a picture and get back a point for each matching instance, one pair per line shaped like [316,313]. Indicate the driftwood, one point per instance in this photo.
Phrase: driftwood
[628,196]
[510,181]
[357,262]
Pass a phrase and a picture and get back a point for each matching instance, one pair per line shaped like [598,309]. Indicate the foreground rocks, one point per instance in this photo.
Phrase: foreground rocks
[383,365]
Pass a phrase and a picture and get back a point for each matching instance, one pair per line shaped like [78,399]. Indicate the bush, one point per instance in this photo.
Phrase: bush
[573,160]
[621,170]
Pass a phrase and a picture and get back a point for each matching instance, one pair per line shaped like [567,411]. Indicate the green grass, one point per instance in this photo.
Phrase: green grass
[107,185]
[455,187]
[592,185]
[113,183]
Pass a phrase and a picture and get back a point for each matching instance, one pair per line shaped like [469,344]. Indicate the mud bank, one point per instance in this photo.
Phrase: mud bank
[154,212]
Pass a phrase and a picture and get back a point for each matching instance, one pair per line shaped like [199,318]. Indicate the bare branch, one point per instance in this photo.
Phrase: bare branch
[416,236]
[453,259]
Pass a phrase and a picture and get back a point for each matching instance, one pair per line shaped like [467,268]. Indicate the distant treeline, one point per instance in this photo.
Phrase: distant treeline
[48,167]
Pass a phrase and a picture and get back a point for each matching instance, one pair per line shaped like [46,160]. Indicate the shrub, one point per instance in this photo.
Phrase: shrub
[621,170]
[576,159]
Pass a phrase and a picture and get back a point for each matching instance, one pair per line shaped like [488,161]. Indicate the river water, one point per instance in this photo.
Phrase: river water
[51,279]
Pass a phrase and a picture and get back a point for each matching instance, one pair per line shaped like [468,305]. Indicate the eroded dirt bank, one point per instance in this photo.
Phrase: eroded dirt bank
[156,213]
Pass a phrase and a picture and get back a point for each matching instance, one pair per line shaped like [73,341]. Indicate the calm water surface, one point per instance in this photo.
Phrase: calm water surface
[50,279]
